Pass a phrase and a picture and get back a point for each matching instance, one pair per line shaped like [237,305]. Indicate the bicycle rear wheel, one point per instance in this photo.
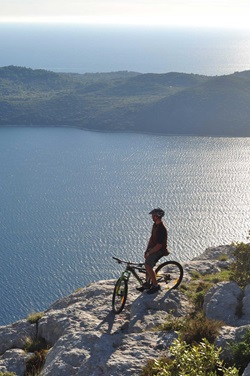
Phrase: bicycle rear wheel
[170,273]
[119,295]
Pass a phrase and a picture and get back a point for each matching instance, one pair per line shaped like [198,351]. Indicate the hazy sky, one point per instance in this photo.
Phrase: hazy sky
[213,13]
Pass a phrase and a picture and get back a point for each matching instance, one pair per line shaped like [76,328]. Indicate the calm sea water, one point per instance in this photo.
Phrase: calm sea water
[71,199]
[82,49]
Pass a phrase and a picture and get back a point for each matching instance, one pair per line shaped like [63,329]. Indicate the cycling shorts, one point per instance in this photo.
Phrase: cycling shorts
[152,259]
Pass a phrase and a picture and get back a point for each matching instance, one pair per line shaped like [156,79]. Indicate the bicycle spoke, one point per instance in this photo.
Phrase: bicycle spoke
[169,273]
[119,295]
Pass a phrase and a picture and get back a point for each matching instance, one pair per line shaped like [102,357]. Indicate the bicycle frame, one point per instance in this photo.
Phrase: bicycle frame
[131,269]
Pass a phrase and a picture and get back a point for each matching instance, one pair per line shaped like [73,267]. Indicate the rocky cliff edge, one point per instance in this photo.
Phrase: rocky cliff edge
[87,339]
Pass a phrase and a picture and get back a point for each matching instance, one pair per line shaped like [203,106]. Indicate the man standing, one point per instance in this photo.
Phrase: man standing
[157,248]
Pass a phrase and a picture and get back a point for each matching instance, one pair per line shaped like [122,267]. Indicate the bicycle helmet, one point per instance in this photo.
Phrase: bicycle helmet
[158,211]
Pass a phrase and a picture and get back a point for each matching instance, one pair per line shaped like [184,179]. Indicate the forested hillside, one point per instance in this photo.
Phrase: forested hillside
[171,103]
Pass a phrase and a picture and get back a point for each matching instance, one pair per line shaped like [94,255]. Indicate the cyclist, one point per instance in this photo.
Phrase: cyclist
[156,248]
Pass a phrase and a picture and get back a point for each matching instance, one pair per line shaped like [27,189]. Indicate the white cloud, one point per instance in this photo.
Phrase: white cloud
[233,13]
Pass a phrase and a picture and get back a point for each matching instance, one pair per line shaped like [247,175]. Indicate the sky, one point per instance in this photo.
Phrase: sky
[196,13]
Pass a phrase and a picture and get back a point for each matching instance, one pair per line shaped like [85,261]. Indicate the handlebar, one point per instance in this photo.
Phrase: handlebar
[128,262]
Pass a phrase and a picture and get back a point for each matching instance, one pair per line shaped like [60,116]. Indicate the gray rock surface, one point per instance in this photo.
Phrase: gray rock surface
[221,302]
[210,261]
[247,371]
[230,335]
[14,360]
[87,339]
[229,303]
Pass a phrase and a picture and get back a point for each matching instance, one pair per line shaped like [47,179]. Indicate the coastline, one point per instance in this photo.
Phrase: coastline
[124,131]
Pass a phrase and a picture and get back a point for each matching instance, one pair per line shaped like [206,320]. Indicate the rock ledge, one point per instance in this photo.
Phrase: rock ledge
[87,339]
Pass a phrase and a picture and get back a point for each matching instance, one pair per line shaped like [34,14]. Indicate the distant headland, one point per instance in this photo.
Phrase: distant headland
[170,103]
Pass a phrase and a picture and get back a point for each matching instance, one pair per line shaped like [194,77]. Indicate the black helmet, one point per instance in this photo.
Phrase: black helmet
[159,212]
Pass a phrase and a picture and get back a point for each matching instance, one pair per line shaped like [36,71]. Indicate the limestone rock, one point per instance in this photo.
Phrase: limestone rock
[230,335]
[247,371]
[87,339]
[210,261]
[15,335]
[14,360]
[148,311]
[245,319]
[229,303]
[216,253]
[221,302]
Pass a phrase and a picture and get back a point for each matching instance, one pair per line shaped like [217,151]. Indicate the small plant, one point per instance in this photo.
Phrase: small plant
[239,269]
[200,327]
[195,275]
[202,359]
[7,373]
[241,352]
[172,323]
[193,328]
[199,299]
[35,364]
[196,289]
[33,318]
[31,345]
[223,258]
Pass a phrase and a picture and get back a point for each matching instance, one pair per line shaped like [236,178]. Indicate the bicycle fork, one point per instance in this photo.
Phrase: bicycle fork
[126,275]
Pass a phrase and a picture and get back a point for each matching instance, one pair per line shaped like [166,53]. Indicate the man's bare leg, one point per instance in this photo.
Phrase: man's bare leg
[151,274]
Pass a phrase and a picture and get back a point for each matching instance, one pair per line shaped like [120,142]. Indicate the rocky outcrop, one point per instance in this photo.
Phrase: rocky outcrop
[86,338]
[222,301]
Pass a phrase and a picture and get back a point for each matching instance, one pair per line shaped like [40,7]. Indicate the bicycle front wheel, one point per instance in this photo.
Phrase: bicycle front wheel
[170,273]
[119,295]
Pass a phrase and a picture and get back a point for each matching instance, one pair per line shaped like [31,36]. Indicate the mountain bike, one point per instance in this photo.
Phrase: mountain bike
[170,273]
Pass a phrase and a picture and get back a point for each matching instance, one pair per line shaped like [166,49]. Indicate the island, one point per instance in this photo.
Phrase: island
[169,103]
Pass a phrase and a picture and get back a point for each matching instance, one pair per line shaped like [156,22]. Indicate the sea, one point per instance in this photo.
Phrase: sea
[90,49]
[71,199]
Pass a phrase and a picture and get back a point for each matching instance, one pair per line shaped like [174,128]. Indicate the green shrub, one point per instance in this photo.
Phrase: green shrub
[239,269]
[194,328]
[35,363]
[223,258]
[196,360]
[241,352]
[35,317]
[195,274]
[7,374]
[31,345]
[172,323]
[196,289]
[200,327]
[198,298]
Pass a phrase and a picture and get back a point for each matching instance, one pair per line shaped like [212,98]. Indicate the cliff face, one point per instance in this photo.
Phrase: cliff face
[86,338]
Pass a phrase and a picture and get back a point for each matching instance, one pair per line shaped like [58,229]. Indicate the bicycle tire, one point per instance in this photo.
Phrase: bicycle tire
[170,272]
[119,295]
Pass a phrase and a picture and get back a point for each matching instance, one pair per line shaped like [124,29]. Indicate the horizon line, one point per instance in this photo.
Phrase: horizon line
[121,22]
